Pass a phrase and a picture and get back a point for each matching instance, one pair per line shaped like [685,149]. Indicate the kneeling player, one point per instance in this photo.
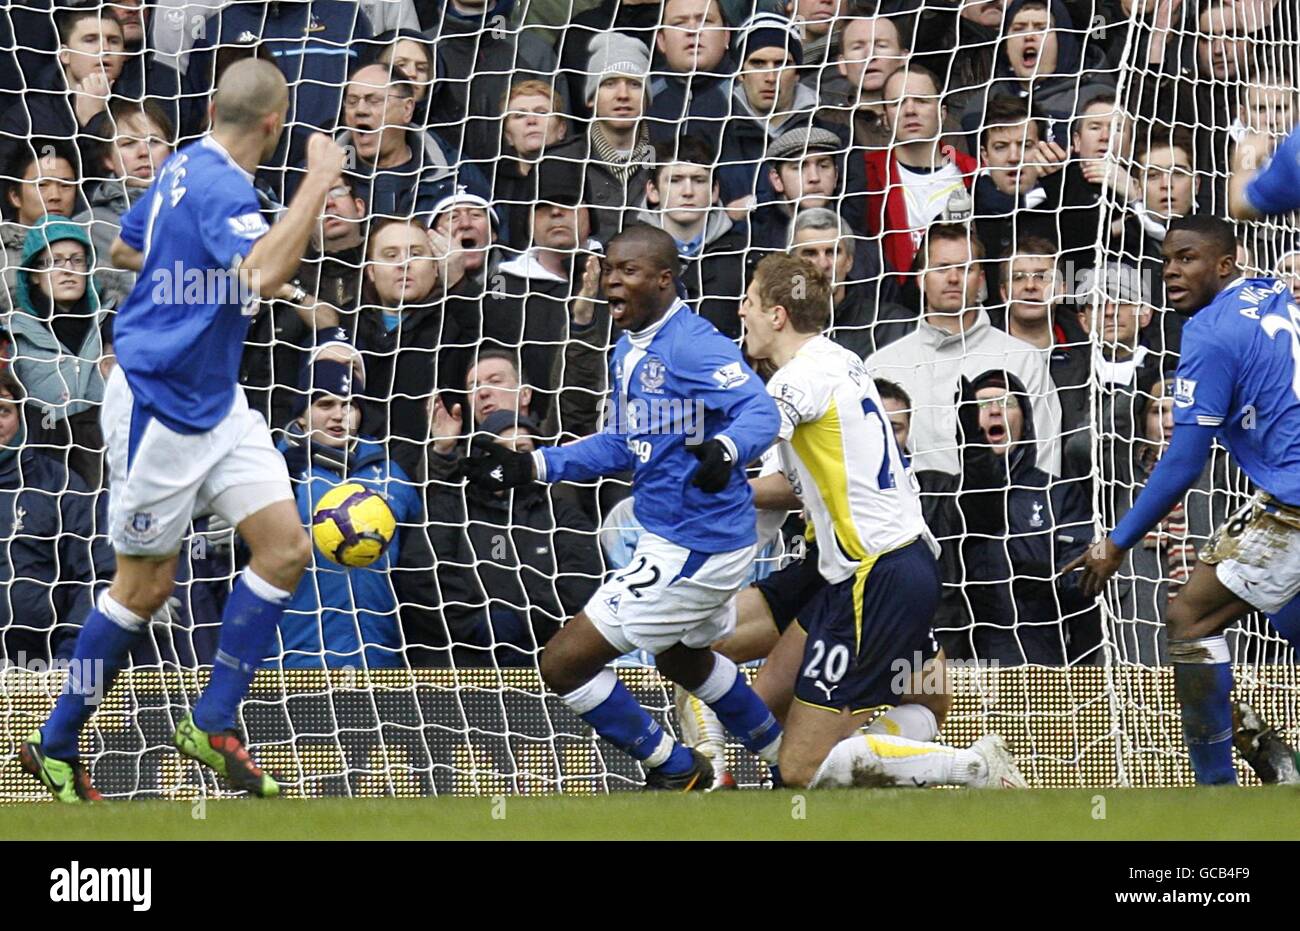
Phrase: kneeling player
[875,554]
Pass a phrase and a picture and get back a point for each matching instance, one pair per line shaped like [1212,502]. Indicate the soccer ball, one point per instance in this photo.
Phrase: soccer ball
[352,525]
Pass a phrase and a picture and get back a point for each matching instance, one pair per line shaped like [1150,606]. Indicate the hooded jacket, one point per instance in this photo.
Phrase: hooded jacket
[108,203]
[336,609]
[65,380]
[1015,528]
[714,275]
[929,364]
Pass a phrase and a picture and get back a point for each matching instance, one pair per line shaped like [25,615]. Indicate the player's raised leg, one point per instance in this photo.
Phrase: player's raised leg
[574,665]
[281,551]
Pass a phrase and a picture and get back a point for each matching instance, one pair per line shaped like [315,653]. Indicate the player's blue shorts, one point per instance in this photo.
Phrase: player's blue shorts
[860,628]
[791,587]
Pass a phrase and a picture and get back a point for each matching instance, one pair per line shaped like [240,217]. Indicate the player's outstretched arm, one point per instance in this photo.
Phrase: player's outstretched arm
[1178,468]
[1256,189]
[276,256]
[124,257]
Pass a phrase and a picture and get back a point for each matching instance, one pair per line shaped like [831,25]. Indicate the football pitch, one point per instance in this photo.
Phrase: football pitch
[1271,813]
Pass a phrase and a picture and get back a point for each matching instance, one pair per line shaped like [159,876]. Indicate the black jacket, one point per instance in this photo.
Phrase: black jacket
[47,559]
[1015,528]
[404,368]
[485,571]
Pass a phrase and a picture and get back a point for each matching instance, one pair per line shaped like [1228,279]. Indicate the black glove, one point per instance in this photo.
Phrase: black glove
[494,468]
[715,467]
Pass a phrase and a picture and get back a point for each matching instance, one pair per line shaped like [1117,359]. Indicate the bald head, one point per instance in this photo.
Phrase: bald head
[653,243]
[248,91]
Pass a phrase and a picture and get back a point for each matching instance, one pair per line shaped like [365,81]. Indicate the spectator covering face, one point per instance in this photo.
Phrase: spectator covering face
[1168,182]
[48,186]
[95,45]
[1031,44]
[493,385]
[692,37]
[1004,153]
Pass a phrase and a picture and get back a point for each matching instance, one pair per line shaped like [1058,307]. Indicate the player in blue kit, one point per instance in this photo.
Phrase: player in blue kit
[1260,185]
[181,438]
[1238,380]
[676,380]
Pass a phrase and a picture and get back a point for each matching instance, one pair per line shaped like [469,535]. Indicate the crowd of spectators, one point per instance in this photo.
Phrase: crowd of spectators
[985,183]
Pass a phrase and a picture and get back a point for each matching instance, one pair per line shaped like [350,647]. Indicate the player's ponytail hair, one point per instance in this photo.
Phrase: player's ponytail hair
[797,285]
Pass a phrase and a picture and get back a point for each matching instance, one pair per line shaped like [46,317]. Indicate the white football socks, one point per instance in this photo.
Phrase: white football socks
[879,760]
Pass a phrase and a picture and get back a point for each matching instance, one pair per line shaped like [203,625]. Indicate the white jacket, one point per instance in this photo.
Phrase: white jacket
[929,364]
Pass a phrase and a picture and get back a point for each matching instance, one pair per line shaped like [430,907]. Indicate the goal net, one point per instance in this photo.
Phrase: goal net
[985,183]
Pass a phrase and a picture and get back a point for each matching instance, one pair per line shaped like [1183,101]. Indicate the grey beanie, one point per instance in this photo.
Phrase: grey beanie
[615,53]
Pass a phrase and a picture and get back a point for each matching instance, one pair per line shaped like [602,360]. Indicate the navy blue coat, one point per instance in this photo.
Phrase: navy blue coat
[46,557]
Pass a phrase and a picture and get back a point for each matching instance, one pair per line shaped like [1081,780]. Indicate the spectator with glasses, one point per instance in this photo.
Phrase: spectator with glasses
[401,170]
[58,346]
[41,180]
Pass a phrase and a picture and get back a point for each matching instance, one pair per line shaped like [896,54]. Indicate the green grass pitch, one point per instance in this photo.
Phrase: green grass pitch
[1055,814]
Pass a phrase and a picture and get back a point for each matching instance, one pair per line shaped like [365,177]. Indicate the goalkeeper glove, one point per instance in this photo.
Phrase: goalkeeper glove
[716,463]
[492,467]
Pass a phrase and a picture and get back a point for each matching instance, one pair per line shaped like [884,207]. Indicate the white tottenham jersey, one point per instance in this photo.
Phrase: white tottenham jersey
[862,500]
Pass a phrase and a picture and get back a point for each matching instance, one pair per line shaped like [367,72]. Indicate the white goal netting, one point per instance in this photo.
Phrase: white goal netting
[987,184]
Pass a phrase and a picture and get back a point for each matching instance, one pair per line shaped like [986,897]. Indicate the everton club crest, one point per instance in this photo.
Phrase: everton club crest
[653,374]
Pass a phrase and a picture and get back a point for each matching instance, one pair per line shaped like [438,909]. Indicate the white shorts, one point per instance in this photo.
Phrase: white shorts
[668,595]
[1256,554]
[233,471]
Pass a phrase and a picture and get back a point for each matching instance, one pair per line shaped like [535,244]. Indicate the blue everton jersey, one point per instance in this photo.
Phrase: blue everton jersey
[676,381]
[1276,189]
[180,334]
[1240,372]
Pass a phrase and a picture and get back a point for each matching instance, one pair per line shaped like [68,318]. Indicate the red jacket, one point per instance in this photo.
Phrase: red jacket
[887,207]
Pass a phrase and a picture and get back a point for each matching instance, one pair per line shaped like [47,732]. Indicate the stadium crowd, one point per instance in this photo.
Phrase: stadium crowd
[985,183]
